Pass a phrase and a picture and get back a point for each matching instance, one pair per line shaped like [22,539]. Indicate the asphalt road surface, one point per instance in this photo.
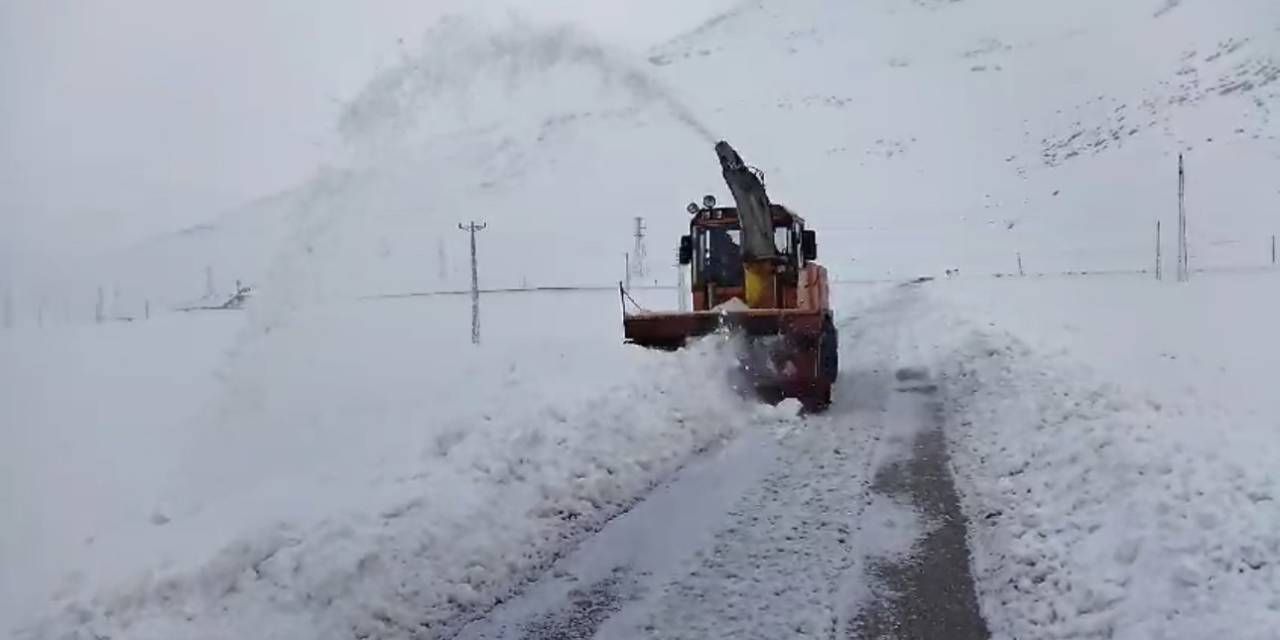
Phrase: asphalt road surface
[845,525]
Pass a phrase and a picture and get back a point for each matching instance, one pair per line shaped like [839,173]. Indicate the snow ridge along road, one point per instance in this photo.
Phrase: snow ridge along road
[793,533]
[1093,509]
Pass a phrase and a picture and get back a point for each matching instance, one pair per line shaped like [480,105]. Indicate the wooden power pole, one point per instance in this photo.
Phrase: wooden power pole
[1184,271]
[472,228]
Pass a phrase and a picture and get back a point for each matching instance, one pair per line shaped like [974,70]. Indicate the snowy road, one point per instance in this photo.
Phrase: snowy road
[844,525]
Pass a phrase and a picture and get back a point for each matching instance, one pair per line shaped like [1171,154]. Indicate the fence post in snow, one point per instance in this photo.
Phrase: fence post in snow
[1273,250]
[1021,273]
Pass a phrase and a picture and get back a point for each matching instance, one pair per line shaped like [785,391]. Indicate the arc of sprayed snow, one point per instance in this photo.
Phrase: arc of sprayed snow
[456,53]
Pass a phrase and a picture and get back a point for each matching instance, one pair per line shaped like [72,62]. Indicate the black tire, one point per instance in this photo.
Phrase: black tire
[829,351]
[818,399]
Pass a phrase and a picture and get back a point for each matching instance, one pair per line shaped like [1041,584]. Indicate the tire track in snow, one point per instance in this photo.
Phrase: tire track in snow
[932,593]
[636,552]
[778,536]
[788,561]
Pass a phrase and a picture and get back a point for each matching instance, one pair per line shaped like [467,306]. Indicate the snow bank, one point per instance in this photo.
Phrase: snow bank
[390,484]
[1096,511]
[1210,342]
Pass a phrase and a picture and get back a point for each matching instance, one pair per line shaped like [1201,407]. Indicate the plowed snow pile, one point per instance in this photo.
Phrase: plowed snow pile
[1102,506]
[325,496]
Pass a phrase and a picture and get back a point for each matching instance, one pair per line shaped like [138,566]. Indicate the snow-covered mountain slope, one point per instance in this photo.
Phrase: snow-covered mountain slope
[930,134]
[917,135]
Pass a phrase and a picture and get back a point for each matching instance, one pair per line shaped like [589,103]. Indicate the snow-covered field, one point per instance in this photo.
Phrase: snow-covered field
[326,465]
[378,461]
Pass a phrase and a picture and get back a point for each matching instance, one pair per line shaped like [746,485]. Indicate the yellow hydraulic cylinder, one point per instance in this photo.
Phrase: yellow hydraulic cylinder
[758,281]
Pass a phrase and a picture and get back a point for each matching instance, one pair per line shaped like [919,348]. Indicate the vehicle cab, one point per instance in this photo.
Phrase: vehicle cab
[712,250]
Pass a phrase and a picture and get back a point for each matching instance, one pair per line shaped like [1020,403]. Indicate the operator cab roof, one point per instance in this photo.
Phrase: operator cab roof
[728,217]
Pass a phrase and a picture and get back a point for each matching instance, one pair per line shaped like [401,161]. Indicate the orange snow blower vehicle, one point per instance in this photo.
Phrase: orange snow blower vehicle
[754,276]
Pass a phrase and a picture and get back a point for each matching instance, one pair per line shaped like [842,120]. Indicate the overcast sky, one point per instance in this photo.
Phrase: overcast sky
[120,118]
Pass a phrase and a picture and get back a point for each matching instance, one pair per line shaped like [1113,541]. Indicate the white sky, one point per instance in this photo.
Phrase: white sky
[119,119]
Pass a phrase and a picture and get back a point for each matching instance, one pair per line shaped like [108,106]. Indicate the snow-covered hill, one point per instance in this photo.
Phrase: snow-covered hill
[918,135]
[285,462]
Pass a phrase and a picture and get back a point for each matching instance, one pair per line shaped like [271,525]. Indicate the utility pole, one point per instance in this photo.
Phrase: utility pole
[472,228]
[682,297]
[1159,261]
[1184,273]
[639,251]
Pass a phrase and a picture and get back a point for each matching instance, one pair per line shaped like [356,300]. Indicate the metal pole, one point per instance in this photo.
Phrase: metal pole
[1273,250]
[1021,273]
[641,254]
[682,296]
[1159,267]
[472,228]
[1183,271]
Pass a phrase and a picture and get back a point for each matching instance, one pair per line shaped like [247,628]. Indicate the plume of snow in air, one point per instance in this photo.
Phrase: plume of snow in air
[458,55]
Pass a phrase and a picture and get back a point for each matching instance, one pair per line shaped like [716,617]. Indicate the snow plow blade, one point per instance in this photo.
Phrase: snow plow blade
[673,330]
[785,353]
